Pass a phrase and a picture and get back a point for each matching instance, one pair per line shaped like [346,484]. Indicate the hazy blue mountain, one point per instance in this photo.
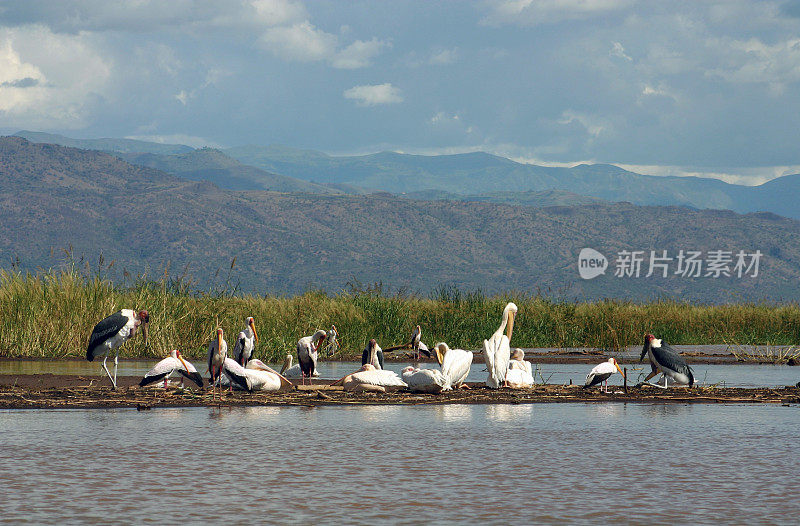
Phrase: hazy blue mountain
[481,173]
[106,145]
[209,164]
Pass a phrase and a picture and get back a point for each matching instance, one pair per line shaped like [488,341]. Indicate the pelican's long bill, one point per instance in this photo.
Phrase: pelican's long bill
[253,327]
[510,326]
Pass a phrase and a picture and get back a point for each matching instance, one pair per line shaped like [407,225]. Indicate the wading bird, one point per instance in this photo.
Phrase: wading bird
[293,371]
[307,353]
[217,354]
[416,335]
[519,374]
[424,380]
[236,375]
[112,332]
[602,372]
[497,349]
[172,363]
[665,360]
[372,354]
[368,378]
[245,342]
[454,363]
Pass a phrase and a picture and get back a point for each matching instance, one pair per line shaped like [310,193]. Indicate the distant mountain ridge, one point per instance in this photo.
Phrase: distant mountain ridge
[483,173]
[459,176]
[105,145]
[52,197]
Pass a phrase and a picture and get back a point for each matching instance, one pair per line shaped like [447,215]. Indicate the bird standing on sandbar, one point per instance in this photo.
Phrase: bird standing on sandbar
[665,360]
[497,349]
[172,363]
[308,351]
[111,332]
[217,353]
[602,372]
[245,342]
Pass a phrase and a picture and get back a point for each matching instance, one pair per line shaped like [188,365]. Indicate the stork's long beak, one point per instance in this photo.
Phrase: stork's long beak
[144,334]
[510,326]
[180,357]
[319,343]
[618,369]
[253,327]
[219,341]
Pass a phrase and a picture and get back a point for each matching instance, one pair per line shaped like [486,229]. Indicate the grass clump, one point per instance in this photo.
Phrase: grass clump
[51,314]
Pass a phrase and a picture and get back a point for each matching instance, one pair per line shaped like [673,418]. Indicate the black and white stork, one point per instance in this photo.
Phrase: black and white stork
[601,373]
[245,342]
[217,353]
[172,363]
[665,360]
[372,354]
[308,351]
[416,336]
[110,333]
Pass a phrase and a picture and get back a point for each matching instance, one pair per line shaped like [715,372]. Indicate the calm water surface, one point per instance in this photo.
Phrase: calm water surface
[723,374]
[545,463]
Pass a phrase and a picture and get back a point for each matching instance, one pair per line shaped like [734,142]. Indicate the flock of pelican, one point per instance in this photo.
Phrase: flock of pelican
[506,369]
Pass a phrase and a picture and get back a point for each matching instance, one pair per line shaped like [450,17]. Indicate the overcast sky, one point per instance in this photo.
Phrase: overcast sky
[659,87]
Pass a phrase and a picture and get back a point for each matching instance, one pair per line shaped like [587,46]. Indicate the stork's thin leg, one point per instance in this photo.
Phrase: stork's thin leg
[116,359]
[108,373]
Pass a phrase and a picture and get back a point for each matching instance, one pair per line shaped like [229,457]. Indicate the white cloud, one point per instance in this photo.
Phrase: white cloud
[50,80]
[373,95]
[592,124]
[534,12]
[359,54]
[753,61]
[444,56]
[618,51]
[302,42]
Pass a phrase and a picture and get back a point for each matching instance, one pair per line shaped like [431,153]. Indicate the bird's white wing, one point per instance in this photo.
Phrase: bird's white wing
[160,370]
[382,377]
[456,365]
[425,380]
[237,374]
[488,356]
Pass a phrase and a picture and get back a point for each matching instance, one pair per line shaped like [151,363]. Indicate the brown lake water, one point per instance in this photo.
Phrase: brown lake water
[498,464]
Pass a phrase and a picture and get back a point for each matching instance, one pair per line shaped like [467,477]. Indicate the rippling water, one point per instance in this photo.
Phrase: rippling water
[541,463]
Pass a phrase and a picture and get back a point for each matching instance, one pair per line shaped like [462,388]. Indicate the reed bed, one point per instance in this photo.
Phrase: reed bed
[51,314]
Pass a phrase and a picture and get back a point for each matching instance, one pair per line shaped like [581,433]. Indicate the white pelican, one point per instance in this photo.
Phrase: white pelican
[602,372]
[217,354]
[172,363]
[372,354]
[264,378]
[112,332]
[455,364]
[497,349]
[307,352]
[665,360]
[368,378]
[519,374]
[425,380]
[245,342]
[293,371]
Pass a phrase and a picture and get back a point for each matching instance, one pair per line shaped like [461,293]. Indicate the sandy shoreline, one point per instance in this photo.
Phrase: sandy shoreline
[49,391]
